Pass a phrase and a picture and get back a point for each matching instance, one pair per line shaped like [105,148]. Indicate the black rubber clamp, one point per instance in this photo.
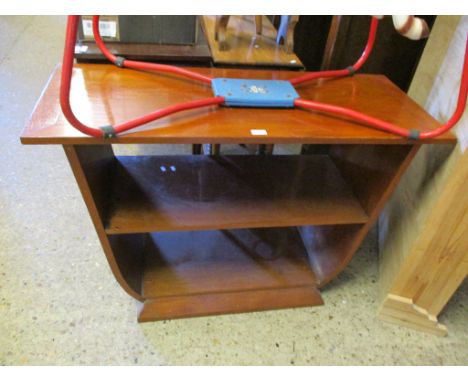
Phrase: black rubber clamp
[119,61]
[108,131]
[414,134]
[351,70]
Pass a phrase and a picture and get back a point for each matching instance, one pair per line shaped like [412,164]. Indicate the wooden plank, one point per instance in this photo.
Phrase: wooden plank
[437,260]
[196,54]
[188,54]
[166,193]
[400,310]
[103,94]
[424,235]
[243,47]
[224,303]
[205,262]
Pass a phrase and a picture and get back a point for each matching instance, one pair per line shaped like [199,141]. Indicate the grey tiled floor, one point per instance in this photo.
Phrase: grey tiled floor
[59,303]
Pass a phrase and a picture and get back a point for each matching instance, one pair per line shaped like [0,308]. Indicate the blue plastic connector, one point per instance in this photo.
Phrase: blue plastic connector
[255,93]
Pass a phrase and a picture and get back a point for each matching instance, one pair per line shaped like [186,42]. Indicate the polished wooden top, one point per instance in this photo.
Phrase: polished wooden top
[105,94]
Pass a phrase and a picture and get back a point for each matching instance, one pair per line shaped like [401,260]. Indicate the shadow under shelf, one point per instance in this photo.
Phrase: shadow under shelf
[177,193]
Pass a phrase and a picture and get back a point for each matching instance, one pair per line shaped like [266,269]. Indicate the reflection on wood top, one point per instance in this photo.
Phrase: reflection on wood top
[105,94]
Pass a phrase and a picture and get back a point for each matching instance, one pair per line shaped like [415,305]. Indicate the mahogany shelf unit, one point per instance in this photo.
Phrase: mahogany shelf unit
[191,235]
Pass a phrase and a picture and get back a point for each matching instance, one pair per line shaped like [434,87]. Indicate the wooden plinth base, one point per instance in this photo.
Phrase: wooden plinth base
[402,311]
[224,303]
[201,273]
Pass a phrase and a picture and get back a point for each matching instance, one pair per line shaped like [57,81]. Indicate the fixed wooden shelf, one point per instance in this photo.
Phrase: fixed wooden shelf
[172,193]
[189,271]
[197,235]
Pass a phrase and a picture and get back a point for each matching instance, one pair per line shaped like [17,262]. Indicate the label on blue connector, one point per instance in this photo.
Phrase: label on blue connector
[255,93]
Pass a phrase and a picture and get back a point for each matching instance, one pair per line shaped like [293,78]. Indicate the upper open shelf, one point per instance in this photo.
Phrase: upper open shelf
[172,193]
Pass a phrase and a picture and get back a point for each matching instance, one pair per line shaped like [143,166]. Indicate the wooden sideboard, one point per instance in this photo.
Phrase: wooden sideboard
[197,235]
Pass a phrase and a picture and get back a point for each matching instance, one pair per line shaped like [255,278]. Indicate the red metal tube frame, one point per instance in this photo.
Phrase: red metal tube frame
[67,69]
[144,65]
[389,127]
[311,105]
[351,69]
[72,27]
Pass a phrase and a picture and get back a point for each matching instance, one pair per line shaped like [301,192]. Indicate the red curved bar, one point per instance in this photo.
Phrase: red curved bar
[119,128]
[344,72]
[67,69]
[144,65]
[389,127]
[353,115]
[65,81]
[461,103]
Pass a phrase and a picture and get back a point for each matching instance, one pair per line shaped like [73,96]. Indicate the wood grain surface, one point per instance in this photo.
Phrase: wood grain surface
[172,193]
[229,271]
[105,94]
[194,262]
[424,227]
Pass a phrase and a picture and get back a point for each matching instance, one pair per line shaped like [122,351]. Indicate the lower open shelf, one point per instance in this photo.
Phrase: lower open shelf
[198,273]
[197,262]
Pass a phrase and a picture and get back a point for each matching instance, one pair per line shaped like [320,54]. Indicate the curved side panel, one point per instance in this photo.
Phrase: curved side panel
[328,248]
[92,167]
[372,172]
